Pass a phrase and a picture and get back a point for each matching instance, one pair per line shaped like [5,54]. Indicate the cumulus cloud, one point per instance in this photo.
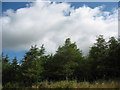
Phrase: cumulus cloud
[50,24]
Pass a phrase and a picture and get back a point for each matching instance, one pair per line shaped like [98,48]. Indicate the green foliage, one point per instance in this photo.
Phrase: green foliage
[68,63]
[65,61]
[6,69]
[15,71]
[32,65]
[75,84]
[97,56]
[112,61]
[103,59]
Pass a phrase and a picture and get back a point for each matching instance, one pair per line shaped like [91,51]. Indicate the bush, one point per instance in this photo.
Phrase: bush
[14,85]
[75,84]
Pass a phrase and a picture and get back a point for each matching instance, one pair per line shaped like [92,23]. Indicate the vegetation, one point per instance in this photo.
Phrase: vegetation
[75,84]
[67,68]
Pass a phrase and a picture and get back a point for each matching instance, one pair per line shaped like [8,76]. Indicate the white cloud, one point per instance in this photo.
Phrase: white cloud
[45,23]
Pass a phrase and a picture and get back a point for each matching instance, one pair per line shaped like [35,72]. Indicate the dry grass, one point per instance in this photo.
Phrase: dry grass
[75,84]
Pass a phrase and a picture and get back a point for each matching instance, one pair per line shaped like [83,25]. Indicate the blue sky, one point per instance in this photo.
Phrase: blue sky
[16,5]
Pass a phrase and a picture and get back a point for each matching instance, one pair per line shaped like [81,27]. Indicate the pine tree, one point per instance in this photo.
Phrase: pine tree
[65,61]
[32,65]
[97,55]
[6,70]
[15,70]
[112,61]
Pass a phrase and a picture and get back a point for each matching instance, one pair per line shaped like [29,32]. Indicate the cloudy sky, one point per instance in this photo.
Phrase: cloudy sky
[26,24]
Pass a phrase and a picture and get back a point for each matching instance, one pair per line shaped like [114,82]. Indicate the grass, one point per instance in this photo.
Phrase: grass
[75,84]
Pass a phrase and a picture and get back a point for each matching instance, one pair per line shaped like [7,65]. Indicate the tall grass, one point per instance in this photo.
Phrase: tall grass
[75,84]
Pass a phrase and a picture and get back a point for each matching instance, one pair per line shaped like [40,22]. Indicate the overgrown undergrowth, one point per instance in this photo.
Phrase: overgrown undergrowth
[75,84]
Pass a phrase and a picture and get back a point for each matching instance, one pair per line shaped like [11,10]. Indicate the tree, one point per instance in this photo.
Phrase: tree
[15,71]
[6,70]
[32,65]
[97,56]
[14,63]
[65,61]
[112,62]
[5,59]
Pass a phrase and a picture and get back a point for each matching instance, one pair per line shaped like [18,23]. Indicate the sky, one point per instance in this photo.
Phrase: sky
[26,24]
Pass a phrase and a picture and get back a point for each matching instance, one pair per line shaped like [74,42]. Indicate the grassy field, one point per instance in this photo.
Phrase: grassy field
[75,84]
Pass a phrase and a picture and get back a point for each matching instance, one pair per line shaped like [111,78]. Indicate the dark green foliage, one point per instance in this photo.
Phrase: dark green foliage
[6,69]
[112,61]
[15,71]
[104,59]
[68,63]
[32,65]
[97,56]
[62,65]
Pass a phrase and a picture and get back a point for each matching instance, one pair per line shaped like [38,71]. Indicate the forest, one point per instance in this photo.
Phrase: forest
[67,64]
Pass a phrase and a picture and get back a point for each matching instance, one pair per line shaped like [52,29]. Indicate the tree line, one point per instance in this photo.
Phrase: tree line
[68,63]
